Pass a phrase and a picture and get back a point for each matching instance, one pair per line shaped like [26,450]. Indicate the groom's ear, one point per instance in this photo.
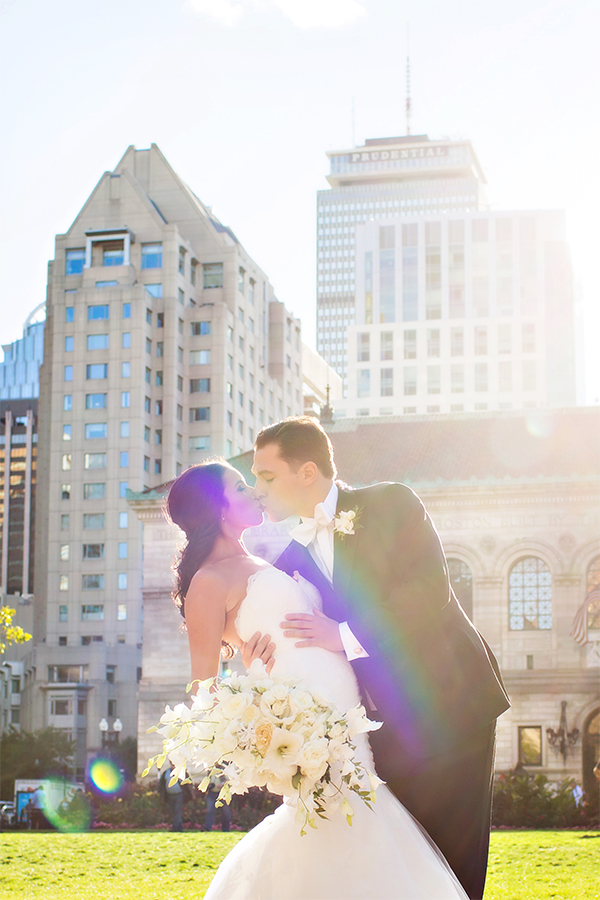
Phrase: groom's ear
[308,472]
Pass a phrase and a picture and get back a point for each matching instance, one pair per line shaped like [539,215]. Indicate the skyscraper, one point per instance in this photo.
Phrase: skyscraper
[385,179]
[164,344]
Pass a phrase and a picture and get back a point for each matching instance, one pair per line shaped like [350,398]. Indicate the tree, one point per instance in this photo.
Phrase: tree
[9,633]
[40,754]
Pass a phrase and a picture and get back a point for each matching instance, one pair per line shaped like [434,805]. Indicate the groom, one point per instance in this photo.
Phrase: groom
[422,667]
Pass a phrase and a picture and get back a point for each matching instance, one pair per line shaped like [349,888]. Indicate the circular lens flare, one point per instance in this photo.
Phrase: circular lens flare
[105,776]
[66,807]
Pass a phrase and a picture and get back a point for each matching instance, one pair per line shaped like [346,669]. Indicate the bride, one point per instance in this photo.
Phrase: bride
[227,597]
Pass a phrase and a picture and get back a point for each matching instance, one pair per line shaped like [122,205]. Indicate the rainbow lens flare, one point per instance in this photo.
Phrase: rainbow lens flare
[105,776]
[66,807]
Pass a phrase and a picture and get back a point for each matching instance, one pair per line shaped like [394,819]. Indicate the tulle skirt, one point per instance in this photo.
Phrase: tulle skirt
[383,855]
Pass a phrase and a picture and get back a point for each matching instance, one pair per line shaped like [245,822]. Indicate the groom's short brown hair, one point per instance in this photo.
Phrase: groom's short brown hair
[300,439]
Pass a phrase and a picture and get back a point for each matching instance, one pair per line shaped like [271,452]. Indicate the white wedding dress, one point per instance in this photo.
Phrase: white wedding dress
[384,854]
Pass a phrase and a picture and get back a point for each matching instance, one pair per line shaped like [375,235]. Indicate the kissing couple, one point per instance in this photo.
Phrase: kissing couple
[358,609]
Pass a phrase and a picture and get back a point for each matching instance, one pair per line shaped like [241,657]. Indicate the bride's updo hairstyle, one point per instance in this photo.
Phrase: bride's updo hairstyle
[195,502]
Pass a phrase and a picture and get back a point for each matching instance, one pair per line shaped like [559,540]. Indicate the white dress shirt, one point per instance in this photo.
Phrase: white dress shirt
[317,535]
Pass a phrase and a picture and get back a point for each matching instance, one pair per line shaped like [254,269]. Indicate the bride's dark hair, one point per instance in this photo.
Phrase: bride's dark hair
[195,502]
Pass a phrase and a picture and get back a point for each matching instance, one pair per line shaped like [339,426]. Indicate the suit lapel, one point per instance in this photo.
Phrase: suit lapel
[344,549]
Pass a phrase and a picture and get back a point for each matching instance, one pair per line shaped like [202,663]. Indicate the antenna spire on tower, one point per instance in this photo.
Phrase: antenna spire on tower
[408,100]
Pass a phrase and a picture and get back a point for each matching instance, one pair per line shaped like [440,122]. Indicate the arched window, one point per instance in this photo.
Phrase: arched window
[462,582]
[530,595]
[593,587]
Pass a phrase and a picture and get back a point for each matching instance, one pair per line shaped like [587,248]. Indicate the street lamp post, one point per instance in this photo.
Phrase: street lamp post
[110,736]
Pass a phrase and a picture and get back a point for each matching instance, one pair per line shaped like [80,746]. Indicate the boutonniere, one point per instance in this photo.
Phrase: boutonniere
[346,521]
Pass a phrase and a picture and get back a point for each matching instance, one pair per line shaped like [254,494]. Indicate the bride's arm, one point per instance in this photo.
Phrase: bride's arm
[205,614]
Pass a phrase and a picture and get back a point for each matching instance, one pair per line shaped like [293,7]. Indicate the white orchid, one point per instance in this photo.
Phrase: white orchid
[346,521]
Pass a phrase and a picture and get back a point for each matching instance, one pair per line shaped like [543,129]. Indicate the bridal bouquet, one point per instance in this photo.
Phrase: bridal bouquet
[257,730]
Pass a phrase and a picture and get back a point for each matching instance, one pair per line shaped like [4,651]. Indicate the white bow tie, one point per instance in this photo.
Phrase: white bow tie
[308,529]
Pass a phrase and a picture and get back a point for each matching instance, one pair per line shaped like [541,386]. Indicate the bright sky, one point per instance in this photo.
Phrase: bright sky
[245,96]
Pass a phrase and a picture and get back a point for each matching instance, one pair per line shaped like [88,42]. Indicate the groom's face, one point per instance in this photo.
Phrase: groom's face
[280,489]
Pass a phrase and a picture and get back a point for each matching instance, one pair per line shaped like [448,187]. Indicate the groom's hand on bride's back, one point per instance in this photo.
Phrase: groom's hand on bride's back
[258,647]
[315,630]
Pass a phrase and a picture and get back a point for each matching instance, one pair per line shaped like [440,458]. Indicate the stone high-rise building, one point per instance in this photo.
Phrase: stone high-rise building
[164,345]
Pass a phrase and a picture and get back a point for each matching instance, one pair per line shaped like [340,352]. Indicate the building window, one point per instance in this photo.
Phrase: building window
[64,522]
[68,402]
[363,346]
[530,595]
[122,581]
[461,581]
[530,745]
[200,357]
[181,264]
[179,383]
[74,261]
[147,434]
[156,291]
[127,310]
[64,552]
[199,442]
[151,256]
[94,460]
[387,345]
[94,491]
[504,338]
[68,373]
[65,491]
[179,412]
[123,519]
[158,466]
[122,549]
[124,459]
[125,400]
[457,342]
[61,706]
[63,582]
[96,371]
[92,582]
[410,344]
[158,436]
[125,370]
[92,612]
[200,414]
[146,464]
[410,380]
[528,337]
[193,270]
[199,385]
[410,292]
[69,314]
[95,401]
[387,382]
[212,275]
[62,640]
[98,311]
[98,341]
[66,462]
[480,341]
[433,342]
[95,430]
[121,612]
[63,613]
[241,279]
[123,485]
[433,380]
[457,379]
[93,551]
[199,328]
[481,377]
[69,343]
[93,520]
[363,382]
[126,340]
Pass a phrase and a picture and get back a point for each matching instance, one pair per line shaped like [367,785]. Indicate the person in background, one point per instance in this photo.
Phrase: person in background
[173,795]
[216,783]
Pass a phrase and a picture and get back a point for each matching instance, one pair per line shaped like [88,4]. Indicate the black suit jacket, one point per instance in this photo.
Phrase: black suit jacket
[430,674]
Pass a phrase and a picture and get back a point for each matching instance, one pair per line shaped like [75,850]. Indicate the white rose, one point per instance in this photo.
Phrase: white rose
[313,758]
[235,705]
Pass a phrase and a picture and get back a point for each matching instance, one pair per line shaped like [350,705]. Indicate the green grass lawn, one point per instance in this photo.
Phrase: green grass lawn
[524,865]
